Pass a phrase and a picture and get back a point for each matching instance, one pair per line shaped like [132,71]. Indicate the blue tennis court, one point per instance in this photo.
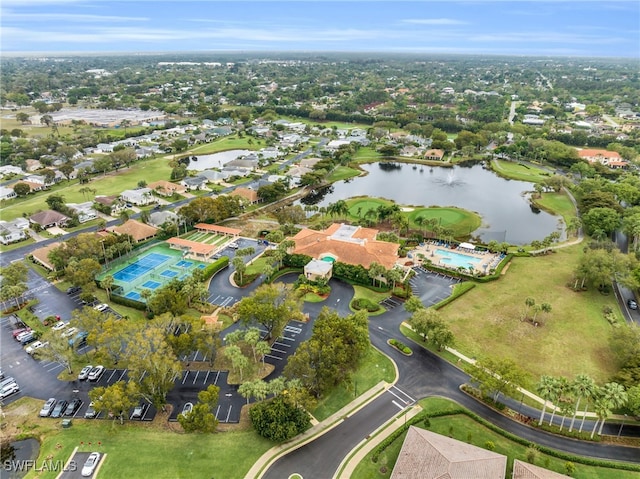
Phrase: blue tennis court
[133,295]
[140,267]
[167,273]
[151,284]
[184,264]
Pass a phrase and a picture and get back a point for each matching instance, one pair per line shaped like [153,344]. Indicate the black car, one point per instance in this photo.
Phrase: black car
[72,407]
[59,409]
[74,289]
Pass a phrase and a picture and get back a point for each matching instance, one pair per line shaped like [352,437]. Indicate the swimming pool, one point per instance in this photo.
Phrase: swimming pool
[457,259]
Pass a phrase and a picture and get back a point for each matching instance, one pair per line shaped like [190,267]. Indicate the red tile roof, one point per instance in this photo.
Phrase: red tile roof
[218,229]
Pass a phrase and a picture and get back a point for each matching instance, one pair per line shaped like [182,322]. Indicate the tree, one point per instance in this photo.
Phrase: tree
[152,364]
[82,273]
[500,376]
[376,270]
[240,267]
[546,388]
[115,400]
[583,387]
[238,360]
[394,275]
[67,170]
[22,117]
[201,418]
[633,400]
[107,284]
[413,304]
[21,189]
[424,320]
[615,396]
[278,419]
[605,220]
[57,350]
[271,305]
[13,282]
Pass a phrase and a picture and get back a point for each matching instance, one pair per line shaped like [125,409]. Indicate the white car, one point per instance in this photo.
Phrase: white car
[90,464]
[85,372]
[59,326]
[95,373]
[9,389]
[48,407]
[35,346]
[69,332]
[101,307]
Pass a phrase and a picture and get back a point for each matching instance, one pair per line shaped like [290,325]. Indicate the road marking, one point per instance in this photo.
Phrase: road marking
[278,350]
[282,344]
[109,378]
[288,339]
[409,399]
[293,329]
[229,413]
[273,357]
[122,375]
[196,377]
[217,375]
[399,406]
[206,378]
[217,411]
[186,374]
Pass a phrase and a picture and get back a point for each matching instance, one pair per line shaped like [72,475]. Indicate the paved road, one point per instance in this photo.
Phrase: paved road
[422,375]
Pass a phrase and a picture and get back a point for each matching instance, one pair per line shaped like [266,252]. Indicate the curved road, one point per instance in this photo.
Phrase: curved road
[422,375]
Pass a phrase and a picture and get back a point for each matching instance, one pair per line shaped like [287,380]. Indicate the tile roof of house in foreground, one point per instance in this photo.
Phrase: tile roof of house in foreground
[524,470]
[41,255]
[136,229]
[427,455]
[347,244]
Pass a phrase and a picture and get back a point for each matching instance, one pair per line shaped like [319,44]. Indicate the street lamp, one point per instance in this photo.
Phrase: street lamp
[623,421]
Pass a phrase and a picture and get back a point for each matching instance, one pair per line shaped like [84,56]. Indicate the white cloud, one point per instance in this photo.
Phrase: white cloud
[67,17]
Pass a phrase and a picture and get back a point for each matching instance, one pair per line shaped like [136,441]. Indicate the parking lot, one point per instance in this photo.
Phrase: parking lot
[431,287]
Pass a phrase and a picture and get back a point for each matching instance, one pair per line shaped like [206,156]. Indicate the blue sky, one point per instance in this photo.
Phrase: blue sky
[597,28]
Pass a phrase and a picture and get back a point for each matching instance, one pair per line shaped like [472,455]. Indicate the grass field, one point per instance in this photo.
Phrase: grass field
[558,204]
[518,171]
[375,367]
[342,173]
[573,338]
[146,450]
[461,222]
[465,429]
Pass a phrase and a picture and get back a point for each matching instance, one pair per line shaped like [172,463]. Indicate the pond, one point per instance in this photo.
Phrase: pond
[14,453]
[503,204]
[216,160]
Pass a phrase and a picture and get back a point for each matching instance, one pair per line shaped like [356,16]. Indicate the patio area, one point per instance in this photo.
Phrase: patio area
[456,257]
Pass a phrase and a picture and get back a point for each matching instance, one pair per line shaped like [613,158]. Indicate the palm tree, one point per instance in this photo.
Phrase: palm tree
[546,389]
[583,387]
[561,385]
[107,283]
[615,397]
[601,407]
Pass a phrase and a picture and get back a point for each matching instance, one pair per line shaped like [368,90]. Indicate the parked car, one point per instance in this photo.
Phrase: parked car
[85,372]
[23,334]
[28,338]
[48,407]
[90,464]
[1,374]
[35,346]
[59,408]
[72,407]
[59,326]
[632,304]
[95,373]
[188,407]
[19,331]
[233,246]
[8,390]
[69,332]
[79,339]
[6,381]
[101,307]
[138,411]
[91,412]
[74,289]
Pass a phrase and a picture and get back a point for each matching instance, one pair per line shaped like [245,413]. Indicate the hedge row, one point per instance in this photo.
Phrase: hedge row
[131,303]
[458,291]
[524,442]
[214,267]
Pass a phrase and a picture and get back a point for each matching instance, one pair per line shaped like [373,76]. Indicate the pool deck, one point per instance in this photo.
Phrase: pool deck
[487,260]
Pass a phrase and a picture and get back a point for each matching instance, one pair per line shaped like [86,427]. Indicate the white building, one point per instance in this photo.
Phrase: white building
[138,197]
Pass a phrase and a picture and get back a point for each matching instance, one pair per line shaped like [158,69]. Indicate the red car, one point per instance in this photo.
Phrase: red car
[18,332]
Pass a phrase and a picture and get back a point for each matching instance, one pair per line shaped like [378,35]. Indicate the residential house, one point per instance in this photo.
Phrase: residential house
[11,233]
[48,219]
[114,204]
[348,244]
[166,188]
[138,196]
[249,162]
[612,159]
[158,218]
[10,170]
[297,172]
[318,269]
[309,162]
[194,182]
[84,211]
[41,255]
[7,193]
[524,470]
[32,165]
[240,172]
[248,194]
[427,455]
[434,154]
[136,229]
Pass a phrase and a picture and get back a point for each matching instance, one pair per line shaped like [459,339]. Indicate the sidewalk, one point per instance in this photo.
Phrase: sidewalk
[273,454]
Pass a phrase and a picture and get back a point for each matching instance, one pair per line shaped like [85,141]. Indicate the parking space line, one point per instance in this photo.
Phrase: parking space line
[109,378]
[217,411]
[282,344]
[206,378]
[278,350]
[217,376]
[122,375]
[57,366]
[195,377]
[286,338]
[273,357]
[229,413]
[186,374]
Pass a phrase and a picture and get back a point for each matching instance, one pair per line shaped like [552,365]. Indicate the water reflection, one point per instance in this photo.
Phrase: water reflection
[503,204]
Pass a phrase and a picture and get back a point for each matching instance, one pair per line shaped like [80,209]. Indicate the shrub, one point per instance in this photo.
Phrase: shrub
[364,303]
[400,346]
[214,267]
[278,419]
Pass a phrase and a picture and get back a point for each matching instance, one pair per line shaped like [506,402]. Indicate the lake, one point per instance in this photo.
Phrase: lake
[503,204]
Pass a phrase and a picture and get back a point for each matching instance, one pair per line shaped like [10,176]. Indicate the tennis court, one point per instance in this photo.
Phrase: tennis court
[151,284]
[167,273]
[184,264]
[133,295]
[140,267]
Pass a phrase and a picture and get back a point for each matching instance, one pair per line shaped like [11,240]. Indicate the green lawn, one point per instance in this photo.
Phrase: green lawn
[558,204]
[465,429]
[375,367]
[517,171]
[342,173]
[573,338]
[226,143]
